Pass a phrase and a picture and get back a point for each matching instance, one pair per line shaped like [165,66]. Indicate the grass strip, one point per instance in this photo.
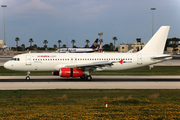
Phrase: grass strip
[90,104]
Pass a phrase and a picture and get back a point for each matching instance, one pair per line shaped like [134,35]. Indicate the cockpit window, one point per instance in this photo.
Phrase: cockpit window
[15,59]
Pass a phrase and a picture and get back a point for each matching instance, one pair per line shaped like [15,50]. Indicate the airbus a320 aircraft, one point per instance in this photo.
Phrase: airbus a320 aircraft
[93,48]
[81,64]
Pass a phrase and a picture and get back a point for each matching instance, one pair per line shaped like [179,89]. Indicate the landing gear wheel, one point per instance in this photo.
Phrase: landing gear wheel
[27,78]
[88,77]
[83,77]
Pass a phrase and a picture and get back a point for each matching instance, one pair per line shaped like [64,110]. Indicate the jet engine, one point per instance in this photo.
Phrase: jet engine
[68,72]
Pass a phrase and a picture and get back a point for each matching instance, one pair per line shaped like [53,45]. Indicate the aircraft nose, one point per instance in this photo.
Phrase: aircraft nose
[7,65]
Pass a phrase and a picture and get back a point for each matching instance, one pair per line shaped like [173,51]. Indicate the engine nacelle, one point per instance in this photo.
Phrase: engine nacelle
[68,72]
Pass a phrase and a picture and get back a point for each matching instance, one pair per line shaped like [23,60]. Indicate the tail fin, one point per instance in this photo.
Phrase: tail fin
[157,43]
[94,45]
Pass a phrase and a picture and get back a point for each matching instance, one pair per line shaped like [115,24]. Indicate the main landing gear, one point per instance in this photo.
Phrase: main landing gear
[86,77]
[27,77]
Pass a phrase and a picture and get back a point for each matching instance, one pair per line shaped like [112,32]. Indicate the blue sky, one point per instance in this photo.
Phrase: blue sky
[65,20]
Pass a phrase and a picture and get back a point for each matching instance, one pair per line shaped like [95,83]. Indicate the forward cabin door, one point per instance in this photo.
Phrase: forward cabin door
[28,59]
[139,59]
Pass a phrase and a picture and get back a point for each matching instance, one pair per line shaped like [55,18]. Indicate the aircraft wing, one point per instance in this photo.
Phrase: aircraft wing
[104,63]
[92,66]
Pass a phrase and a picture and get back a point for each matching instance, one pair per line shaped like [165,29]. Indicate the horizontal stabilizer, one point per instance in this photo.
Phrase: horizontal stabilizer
[162,57]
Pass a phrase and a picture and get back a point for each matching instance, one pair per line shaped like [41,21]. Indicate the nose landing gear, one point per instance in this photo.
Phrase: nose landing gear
[27,77]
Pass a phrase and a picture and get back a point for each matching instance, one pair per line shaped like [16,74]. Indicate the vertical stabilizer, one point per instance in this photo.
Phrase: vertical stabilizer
[157,43]
[94,45]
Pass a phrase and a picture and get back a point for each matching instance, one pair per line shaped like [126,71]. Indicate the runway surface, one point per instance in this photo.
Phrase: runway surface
[98,82]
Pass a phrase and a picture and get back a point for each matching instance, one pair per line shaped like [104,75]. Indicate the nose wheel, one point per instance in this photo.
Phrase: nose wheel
[27,77]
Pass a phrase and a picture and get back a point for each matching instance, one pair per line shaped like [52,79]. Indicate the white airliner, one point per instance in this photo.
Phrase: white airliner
[93,48]
[81,64]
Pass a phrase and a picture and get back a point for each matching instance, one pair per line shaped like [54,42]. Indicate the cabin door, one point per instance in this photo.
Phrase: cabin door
[28,59]
[139,59]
